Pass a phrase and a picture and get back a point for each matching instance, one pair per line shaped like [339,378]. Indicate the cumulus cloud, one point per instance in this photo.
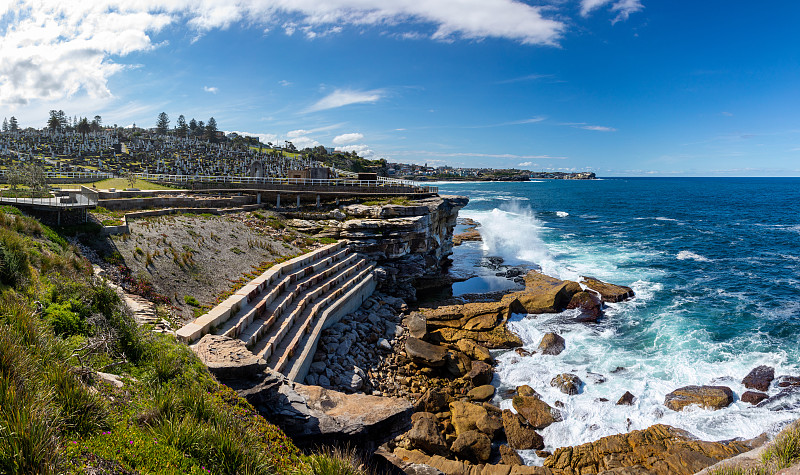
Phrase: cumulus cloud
[344,97]
[212,90]
[524,164]
[264,138]
[347,138]
[361,149]
[297,133]
[52,49]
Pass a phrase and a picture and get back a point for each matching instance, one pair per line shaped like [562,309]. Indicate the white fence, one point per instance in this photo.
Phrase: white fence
[80,175]
[381,182]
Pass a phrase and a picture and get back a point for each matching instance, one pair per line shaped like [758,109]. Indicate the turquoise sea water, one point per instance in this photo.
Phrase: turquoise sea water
[715,264]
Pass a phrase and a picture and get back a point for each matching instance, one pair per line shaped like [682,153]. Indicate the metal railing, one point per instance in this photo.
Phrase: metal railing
[381,182]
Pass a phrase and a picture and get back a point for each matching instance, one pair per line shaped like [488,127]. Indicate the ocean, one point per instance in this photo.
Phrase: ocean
[714,262]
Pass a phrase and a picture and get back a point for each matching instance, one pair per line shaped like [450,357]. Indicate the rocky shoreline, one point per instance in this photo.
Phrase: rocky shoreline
[440,359]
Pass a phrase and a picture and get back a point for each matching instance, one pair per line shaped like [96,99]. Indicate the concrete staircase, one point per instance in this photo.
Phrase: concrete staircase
[280,314]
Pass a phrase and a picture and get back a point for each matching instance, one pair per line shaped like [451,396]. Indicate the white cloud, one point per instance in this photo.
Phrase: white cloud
[212,90]
[303,142]
[347,138]
[284,83]
[623,8]
[52,49]
[596,128]
[297,133]
[361,149]
[264,138]
[344,97]
[524,164]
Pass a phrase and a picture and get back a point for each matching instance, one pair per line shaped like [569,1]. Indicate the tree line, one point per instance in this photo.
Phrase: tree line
[10,125]
[193,128]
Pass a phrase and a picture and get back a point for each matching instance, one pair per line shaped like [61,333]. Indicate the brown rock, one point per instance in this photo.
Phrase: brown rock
[590,305]
[465,415]
[228,358]
[472,445]
[542,294]
[424,353]
[608,292]
[480,373]
[424,434]
[431,401]
[709,397]
[759,378]
[658,450]
[468,235]
[458,364]
[509,456]
[788,381]
[519,433]
[498,337]
[416,324]
[567,383]
[537,412]
[527,391]
[475,351]
[626,399]
[753,397]
[481,393]
[490,424]
[552,344]
[473,316]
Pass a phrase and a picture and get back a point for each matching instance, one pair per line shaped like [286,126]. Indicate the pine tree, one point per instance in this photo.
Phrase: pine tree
[5,125]
[162,125]
[53,123]
[182,127]
[211,130]
[13,125]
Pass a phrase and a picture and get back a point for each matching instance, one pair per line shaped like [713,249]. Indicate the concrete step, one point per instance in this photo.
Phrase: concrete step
[299,364]
[258,305]
[297,335]
[287,292]
[309,299]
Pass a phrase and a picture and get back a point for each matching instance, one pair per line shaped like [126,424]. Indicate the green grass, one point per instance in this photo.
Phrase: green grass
[784,451]
[339,461]
[191,301]
[119,184]
[388,201]
[58,327]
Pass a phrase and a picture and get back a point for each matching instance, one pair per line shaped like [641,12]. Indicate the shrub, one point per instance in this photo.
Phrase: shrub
[339,461]
[65,321]
[13,259]
[83,413]
[191,301]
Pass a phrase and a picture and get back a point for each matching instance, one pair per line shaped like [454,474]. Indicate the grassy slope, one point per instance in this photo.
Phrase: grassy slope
[58,327]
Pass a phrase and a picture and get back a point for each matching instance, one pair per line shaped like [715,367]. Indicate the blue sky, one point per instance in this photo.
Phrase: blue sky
[619,87]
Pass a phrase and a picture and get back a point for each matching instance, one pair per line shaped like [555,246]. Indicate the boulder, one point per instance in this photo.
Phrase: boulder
[424,353]
[709,397]
[626,399]
[590,305]
[480,373]
[465,415]
[498,337]
[608,292]
[481,393]
[490,424]
[519,433]
[753,397]
[759,378]
[538,413]
[475,351]
[473,316]
[228,358]
[542,294]
[657,450]
[472,445]
[425,435]
[527,391]
[509,456]
[567,383]
[416,324]
[457,363]
[431,401]
[552,344]
[787,381]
